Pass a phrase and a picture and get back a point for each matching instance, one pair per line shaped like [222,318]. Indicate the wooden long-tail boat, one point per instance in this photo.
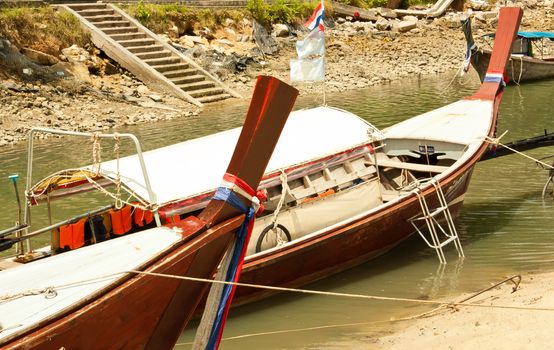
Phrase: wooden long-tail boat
[339,191]
[87,298]
[528,60]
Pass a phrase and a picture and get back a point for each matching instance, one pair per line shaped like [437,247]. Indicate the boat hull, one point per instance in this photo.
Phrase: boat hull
[345,246]
[519,68]
[131,314]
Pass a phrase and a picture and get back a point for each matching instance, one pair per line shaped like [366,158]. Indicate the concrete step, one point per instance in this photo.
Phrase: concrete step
[120,30]
[128,36]
[164,69]
[90,6]
[132,43]
[111,24]
[154,54]
[145,48]
[103,18]
[186,79]
[156,62]
[199,85]
[213,98]
[206,92]
[96,12]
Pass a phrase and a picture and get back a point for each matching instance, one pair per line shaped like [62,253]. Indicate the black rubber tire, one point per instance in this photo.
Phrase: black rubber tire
[264,233]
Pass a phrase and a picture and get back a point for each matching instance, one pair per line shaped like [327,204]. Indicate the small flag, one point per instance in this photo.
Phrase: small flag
[316,19]
[312,45]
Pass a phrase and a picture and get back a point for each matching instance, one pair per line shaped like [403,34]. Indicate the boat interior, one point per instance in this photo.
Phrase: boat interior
[301,199]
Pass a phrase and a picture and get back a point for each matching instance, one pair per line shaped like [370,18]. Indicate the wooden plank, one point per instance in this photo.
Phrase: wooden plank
[347,10]
[411,166]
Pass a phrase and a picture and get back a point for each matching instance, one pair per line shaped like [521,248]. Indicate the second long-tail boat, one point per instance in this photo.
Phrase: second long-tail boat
[532,55]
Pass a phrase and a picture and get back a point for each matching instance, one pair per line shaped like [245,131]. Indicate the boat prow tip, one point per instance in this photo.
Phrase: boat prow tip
[509,20]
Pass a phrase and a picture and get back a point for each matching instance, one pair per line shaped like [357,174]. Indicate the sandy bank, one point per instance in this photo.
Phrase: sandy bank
[526,326]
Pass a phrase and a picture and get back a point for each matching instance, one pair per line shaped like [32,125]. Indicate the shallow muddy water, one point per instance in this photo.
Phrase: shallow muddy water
[505,226]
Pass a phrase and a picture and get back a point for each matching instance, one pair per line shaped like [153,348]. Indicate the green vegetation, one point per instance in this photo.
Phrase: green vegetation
[282,11]
[383,3]
[44,29]
[160,17]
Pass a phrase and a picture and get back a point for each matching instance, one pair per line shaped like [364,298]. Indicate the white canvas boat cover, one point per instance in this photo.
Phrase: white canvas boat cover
[464,122]
[75,276]
[197,166]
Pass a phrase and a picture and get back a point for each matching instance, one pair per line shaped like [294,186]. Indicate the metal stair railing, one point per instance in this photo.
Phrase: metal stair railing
[435,228]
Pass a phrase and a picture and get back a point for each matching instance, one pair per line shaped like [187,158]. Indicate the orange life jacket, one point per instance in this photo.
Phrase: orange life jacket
[321,195]
[73,235]
[121,220]
[142,217]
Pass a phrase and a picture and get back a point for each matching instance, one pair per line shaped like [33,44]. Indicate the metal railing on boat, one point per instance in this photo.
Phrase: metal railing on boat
[30,148]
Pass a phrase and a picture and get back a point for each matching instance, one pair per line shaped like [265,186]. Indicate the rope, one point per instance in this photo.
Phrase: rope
[520,68]
[213,320]
[96,153]
[273,223]
[141,205]
[52,292]
[118,202]
[496,141]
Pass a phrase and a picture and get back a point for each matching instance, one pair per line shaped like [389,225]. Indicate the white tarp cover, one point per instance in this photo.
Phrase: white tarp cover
[77,266]
[189,168]
[464,122]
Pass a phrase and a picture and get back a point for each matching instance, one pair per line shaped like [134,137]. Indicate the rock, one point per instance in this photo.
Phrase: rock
[265,42]
[280,30]
[39,57]
[387,13]
[485,17]
[143,89]
[405,26]
[75,53]
[173,31]
[454,21]
[340,20]
[228,22]
[225,42]
[410,19]
[382,24]
[207,33]
[155,98]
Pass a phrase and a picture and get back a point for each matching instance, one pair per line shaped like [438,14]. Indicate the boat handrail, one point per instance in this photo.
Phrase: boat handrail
[30,148]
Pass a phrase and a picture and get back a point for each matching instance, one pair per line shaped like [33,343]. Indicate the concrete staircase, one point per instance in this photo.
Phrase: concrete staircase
[144,54]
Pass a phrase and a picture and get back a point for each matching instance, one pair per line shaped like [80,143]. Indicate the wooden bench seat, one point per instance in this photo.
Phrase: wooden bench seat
[389,163]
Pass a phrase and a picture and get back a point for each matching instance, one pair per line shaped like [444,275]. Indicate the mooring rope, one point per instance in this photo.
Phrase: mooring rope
[496,141]
[274,288]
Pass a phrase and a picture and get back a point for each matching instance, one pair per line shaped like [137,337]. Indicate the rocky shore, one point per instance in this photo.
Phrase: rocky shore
[89,92]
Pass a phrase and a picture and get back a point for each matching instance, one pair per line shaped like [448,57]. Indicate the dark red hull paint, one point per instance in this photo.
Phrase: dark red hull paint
[342,248]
